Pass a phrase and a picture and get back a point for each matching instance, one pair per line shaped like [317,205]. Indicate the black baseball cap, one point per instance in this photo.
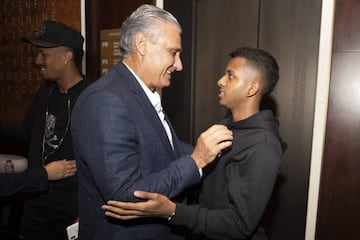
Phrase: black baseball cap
[56,34]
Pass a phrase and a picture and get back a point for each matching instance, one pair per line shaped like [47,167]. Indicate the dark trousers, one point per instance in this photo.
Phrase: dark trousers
[46,221]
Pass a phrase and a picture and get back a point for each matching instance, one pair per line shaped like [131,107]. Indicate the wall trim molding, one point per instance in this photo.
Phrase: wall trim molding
[159,3]
[320,116]
[83,32]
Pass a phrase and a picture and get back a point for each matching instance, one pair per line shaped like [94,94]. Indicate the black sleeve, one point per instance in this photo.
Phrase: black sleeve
[249,187]
[32,180]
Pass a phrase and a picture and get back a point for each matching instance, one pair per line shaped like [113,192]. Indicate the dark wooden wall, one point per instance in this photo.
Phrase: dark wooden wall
[221,26]
[339,200]
[179,97]
[290,30]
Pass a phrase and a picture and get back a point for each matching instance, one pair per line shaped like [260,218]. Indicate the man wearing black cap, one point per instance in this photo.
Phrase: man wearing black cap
[47,130]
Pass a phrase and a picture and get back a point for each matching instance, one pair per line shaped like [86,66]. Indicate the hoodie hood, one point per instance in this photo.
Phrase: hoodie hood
[262,120]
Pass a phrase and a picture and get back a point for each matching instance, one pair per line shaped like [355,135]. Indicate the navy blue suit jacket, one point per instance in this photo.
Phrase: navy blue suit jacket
[120,146]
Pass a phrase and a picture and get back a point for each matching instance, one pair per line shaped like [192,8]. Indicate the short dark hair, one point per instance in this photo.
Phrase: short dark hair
[78,55]
[262,61]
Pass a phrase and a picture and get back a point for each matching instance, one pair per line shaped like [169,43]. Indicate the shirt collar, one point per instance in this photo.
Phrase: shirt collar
[154,97]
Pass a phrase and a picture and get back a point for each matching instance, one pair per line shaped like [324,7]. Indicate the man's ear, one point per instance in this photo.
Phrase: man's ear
[253,89]
[140,43]
[69,55]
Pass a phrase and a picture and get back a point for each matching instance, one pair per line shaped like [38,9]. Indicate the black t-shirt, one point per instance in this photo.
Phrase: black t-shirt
[57,122]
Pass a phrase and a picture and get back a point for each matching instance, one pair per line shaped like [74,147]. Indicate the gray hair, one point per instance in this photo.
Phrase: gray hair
[146,19]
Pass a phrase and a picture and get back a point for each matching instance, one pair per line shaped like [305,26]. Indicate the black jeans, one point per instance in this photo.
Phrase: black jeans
[46,221]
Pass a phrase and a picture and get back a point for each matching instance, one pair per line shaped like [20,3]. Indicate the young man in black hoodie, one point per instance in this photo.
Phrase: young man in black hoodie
[237,186]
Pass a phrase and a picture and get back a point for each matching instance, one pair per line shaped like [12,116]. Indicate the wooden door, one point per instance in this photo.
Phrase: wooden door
[339,199]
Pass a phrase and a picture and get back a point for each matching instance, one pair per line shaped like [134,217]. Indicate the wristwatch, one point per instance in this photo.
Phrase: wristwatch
[171,216]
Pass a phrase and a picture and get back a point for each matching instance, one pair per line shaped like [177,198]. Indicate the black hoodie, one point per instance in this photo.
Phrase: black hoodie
[237,186]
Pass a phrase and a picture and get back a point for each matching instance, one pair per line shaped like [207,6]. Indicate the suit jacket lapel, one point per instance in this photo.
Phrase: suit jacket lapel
[177,146]
[148,108]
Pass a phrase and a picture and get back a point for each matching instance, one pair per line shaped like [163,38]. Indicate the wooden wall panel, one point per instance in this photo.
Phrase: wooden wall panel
[290,31]
[346,26]
[178,98]
[221,26]
[339,205]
